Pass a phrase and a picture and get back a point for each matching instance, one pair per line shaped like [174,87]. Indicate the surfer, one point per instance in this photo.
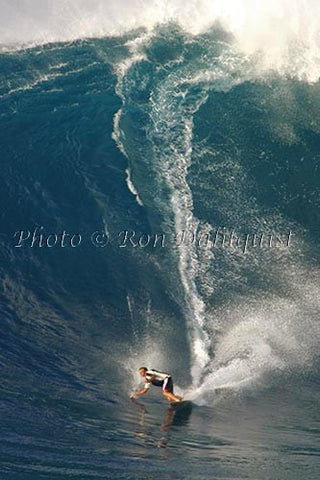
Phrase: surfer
[158,379]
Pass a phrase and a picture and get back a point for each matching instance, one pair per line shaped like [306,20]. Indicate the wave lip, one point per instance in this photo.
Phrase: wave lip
[285,33]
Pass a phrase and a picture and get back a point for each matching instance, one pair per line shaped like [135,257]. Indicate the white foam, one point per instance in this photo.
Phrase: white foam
[116,135]
[29,86]
[48,77]
[132,188]
[265,335]
[182,206]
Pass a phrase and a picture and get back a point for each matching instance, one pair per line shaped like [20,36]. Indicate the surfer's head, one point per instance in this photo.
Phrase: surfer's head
[143,371]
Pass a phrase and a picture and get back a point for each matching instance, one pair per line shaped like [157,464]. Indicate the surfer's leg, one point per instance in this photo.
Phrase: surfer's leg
[167,390]
[171,397]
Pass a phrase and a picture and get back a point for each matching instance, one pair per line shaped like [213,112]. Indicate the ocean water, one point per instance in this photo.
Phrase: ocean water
[160,206]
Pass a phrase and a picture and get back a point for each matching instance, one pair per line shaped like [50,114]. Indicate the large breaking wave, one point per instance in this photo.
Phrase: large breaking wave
[181,125]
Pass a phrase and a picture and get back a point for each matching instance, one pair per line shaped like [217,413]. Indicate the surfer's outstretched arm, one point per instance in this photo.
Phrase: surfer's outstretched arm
[140,392]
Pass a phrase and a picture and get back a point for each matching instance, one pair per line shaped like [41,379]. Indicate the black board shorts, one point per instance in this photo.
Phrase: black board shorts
[167,385]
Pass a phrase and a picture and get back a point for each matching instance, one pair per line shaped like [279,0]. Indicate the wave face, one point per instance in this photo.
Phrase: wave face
[154,131]
[216,139]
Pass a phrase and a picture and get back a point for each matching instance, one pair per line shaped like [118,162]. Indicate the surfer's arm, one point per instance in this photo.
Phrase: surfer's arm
[140,392]
[144,389]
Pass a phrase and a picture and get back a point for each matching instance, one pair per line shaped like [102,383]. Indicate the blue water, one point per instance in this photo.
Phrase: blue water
[149,133]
